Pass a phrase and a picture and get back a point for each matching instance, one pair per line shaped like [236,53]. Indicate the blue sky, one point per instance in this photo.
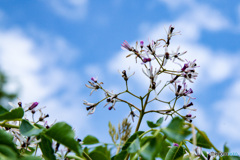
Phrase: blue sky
[50,49]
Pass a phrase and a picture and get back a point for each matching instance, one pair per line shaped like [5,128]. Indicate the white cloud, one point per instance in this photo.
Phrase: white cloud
[70,9]
[35,66]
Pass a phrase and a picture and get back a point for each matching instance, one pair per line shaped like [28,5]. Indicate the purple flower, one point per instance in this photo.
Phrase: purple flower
[92,86]
[176,54]
[141,44]
[175,144]
[94,79]
[126,46]
[145,60]
[34,105]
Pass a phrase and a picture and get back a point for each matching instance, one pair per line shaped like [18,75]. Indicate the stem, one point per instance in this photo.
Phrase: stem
[186,147]
[142,113]
[8,125]
[158,111]
[129,104]
[132,94]
[119,147]
[126,85]
[87,156]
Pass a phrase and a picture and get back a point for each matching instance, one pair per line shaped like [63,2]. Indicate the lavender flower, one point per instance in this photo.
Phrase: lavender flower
[175,144]
[94,79]
[34,105]
[111,100]
[141,44]
[176,54]
[126,46]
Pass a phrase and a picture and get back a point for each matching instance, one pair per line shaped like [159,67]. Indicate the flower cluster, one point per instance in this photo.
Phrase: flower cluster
[154,56]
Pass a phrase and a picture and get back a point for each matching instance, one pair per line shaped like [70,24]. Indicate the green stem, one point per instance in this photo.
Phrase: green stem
[129,104]
[8,125]
[186,147]
[132,94]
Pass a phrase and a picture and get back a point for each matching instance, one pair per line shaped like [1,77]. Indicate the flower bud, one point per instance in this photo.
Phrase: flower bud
[175,144]
[34,105]
[141,44]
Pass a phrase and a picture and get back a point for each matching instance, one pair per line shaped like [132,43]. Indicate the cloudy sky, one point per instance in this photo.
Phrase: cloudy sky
[50,49]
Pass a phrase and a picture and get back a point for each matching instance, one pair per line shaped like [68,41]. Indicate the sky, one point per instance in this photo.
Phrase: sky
[50,49]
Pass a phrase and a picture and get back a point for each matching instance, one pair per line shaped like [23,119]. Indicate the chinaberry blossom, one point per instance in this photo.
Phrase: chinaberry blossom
[141,44]
[126,46]
[170,33]
[94,86]
[124,74]
[181,90]
[176,54]
[111,100]
[153,77]
[91,107]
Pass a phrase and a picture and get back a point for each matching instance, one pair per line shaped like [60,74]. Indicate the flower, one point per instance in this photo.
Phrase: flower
[188,71]
[126,46]
[34,105]
[182,90]
[111,99]
[166,56]
[124,74]
[175,144]
[153,77]
[176,54]
[141,44]
[151,47]
[94,79]
[132,114]
[92,86]
[91,107]
[170,33]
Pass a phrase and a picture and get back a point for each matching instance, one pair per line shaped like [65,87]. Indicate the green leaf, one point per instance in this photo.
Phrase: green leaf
[135,146]
[164,148]
[27,129]
[46,148]
[225,148]
[63,133]
[7,152]
[131,139]
[120,156]
[234,157]
[95,155]
[175,131]
[159,121]
[104,150]
[202,141]
[149,149]
[151,124]
[154,125]
[15,113]
[7,140]
[175,153]
[90,140]
[3,110]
